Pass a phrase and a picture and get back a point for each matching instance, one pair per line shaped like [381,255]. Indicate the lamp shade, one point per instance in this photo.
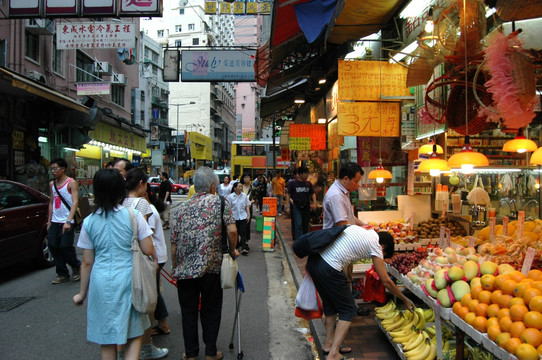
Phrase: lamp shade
[427,149]
[467,159]
[520,144]
[536,158]
[434,165]
[379,174]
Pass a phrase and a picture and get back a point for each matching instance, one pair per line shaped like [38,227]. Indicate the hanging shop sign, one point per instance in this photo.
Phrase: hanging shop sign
[93,88]
[369,119]
[84,8]
[201,146]
[217,65]
[94,35]
[307,137]
[111,135]
[371,80]
[332,101]
[237,8]
[370,150]
[334,140]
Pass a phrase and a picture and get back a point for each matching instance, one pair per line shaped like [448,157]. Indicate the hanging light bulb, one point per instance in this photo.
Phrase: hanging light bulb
[434,165]
[520,144]
[379,174]
[467,159]
[429,24]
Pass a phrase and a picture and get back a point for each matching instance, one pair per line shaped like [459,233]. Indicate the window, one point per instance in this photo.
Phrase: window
[178,28]
[2,52]
[160,33]
[155,57]
[32,46]
[191,27]
[57,61]
[142,97]
[13,196]
[244,97]
[195,41]
[181,11]
[178,43]
[85,68]
[242,106]
[117,95]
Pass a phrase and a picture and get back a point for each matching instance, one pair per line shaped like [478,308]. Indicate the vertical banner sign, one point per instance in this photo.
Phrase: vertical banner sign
[505,225]
[492,223]
[521,224]
[528,262]
[378,119]
[411,219]
[371,80]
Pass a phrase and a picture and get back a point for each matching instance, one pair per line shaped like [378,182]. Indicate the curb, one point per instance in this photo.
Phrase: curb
[317,327]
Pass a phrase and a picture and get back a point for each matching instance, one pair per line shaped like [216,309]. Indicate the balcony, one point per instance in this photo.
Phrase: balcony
[160,122]
[159,102]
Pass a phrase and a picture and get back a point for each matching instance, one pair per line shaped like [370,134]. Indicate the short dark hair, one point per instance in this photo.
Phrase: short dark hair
[303,170]
[109,189]
[350,170]
[60,162]
[165,174]
[388,245]
[127,164]
[134,177]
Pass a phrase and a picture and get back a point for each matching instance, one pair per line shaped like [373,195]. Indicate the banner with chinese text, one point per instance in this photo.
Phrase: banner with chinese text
[238,8]
[307,137]
[369,119]
[90,35]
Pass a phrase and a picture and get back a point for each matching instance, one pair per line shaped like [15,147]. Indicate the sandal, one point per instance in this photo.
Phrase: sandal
[156,330]
[342,349]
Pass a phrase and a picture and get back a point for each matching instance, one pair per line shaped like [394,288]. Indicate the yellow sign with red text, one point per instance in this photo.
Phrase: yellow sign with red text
[380,119]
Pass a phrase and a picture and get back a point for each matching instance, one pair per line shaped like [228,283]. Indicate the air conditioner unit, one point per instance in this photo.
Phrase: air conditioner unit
[103,68]
[40,26]
[119,79]
[36,75]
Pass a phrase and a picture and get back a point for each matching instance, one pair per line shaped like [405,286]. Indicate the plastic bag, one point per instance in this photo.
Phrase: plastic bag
[307,298]
[228,272]
[374,289]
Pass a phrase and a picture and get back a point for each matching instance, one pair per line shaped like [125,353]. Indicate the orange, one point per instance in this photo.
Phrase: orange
[493,331]
[520,288]
[508,286]
[480,323]
[533,319]
[506,323]
[537,284]
[487,281]
[466,299]
[492,310]
[472,304]
[531,336]
[469,318]
[504,301]
[517,276]
[535,274]
[512,344]
[517,312]
[495,296]
[503,312]
[475,291]
[536,303]
[531,293]
[485,297]
[462,312]
[516,329]
[526,352]
[499,279]
[502,338]
[517,301]
[492,321]
[456,306]
[481,309]
[539,349]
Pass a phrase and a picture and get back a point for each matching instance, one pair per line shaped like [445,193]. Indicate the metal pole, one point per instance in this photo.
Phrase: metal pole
[177,142]
[274,148]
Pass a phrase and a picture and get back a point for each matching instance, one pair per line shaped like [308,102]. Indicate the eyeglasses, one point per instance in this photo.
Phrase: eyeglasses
[55,168]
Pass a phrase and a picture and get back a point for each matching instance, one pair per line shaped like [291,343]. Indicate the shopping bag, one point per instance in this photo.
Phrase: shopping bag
[374,289]
[310,314]
[228,272]
[306,298]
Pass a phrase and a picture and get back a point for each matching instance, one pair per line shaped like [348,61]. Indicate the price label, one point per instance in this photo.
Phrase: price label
[492,223]
[412,219]
[472,241]
[505,225]
[528,262]
[521,223]
[441,237]
[448,237]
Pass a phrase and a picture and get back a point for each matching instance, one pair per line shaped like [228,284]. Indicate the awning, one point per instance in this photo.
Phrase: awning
[28,86]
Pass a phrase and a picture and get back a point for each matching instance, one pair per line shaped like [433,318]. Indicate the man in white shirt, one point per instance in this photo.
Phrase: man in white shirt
[240,206]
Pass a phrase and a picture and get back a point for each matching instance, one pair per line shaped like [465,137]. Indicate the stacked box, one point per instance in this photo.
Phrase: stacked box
[268,238]
[269,206]
[259,223]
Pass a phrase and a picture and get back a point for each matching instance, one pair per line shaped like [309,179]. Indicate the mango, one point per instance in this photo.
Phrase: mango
[488,267]
[444,298]
[440,279]
[429,287]
[470,268]
[455,273]
[459,289]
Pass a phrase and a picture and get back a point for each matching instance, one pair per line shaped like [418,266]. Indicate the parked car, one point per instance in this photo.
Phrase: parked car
[155,181]
[23,225]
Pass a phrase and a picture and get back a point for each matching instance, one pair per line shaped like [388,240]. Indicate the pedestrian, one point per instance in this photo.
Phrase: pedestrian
[249,191]
[278,185]
[240,206]
[337,207]
[61,224]
[106,234]
[262,192]
[123,166]
[136,185]
[256,192]
[325,268]
[196,256]
[298,199]
[159,243]
[164,194]
[225,188]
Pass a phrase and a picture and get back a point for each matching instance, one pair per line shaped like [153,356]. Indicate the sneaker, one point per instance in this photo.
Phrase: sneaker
[149,352]
[244,252]
[76,274]
[60,279]
[219,356]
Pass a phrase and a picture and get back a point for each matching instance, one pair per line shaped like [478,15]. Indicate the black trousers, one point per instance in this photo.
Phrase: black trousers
[242,226]
[190,290]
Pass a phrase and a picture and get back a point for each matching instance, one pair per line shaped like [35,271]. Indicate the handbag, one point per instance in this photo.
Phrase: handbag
[229,267]
[307,298]
[144,290]
[77,218]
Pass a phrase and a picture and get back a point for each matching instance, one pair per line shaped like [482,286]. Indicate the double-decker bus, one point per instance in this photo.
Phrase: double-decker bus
[249,157]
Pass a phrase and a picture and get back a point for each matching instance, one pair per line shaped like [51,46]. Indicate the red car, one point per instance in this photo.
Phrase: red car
[23,225]
[180,189]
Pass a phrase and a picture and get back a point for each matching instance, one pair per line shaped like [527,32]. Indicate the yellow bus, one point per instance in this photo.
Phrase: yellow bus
[249,157]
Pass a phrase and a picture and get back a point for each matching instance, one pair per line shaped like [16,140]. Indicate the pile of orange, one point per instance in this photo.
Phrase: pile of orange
[509,309]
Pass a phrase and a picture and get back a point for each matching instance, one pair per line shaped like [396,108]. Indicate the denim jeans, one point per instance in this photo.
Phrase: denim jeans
[62,249]
[301,220]
[280,207]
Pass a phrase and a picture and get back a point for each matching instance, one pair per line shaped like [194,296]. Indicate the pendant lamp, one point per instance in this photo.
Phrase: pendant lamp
[379,174]
[429,148]
[536,157]
[520,144]
[434,165]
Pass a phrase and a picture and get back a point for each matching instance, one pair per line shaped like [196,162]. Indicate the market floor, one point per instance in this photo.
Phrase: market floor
[365,337]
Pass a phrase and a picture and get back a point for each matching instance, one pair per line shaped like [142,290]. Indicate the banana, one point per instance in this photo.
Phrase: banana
[391,320]
[388,315]
[413,321]
[431,331]
[397,325]
[400,333]
[420,325]
[405,339]
[414,342]
[446,346]
[389,306]
[429,314]
[419,353]
[433,353]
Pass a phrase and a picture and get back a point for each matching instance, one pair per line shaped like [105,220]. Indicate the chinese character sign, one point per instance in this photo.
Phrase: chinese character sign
[307,137]
[369,119]
[238,8]
[89,35]
[217,65]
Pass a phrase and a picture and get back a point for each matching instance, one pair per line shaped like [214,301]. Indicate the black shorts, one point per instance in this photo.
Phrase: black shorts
[333,288]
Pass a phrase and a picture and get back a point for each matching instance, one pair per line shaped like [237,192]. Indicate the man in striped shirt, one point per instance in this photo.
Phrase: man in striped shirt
[326,270]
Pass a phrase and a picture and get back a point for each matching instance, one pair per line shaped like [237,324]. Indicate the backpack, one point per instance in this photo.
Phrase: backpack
[315,241]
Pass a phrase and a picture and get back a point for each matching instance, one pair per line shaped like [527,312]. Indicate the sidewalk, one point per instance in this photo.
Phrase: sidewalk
[365,338]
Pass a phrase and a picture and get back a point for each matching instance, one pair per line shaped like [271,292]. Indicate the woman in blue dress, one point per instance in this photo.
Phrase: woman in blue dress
[106,271]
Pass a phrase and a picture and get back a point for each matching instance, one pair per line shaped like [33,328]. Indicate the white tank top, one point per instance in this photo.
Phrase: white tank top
[60,211]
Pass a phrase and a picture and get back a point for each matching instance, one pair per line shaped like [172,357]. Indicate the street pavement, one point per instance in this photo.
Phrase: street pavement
[49,326]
